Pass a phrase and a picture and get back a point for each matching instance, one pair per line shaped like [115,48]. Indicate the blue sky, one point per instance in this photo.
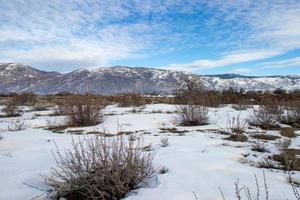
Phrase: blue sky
[205,37]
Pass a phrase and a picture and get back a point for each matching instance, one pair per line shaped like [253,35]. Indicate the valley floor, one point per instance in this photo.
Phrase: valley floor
[199,160]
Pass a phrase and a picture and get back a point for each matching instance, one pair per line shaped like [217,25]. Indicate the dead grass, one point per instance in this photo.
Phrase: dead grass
[237,138]
[172,130]
[265,137]
[288,132]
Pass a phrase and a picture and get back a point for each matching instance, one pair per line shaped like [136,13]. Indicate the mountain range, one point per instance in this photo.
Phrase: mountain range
[16,77]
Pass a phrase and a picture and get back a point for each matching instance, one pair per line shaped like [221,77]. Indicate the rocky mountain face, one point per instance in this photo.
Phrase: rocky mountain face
[16,77]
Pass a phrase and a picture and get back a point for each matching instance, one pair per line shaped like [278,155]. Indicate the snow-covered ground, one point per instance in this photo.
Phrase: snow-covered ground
[200,161]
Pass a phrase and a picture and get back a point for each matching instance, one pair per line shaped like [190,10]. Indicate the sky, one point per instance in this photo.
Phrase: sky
[251,37]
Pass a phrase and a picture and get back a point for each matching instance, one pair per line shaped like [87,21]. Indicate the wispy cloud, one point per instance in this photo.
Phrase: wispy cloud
[226,60]
[292,62]
[84,33]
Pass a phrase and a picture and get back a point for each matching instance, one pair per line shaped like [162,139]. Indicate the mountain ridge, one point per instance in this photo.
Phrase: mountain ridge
[17,77]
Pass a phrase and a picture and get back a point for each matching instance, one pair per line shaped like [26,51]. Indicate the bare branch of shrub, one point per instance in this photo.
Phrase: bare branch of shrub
[263,118]
[11,110]
[100,168]
[164,142]
[292,114]
[236,125]
[193,115]
[259,146]
[16,126]
[82,111]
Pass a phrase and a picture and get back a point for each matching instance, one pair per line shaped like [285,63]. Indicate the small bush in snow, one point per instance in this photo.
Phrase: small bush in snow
[292,114]
[11,110]
[285,158]
[100,168]
[82,111]
[236,125]
[164,142]
[16,126]
[263,118]
[267,163]
[193,115]
[259,146]
[133,137]
[284,144]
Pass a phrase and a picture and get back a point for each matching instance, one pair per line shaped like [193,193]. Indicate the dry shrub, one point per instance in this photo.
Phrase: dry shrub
[267,163]
[129,100]
[61,107]
[286,157]
[292,114]
[164,142]
[289,159]
[24,99]
[236,125]
[236,128]
[16,126]
[284,144]
[100,168]
[11,110]
[192,91]
[273,106]
[268,115]
[263,118]
[82,111]
[259,146]
[193,115]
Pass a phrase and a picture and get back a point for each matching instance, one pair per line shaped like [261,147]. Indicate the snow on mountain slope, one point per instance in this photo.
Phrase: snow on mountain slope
[16,77]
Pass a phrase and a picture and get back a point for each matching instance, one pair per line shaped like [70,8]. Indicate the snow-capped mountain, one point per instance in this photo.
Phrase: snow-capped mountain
[15,77]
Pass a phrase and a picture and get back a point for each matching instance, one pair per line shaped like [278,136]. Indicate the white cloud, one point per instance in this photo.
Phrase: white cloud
[247,23]
[226,60]
[282,63]
[45,33]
